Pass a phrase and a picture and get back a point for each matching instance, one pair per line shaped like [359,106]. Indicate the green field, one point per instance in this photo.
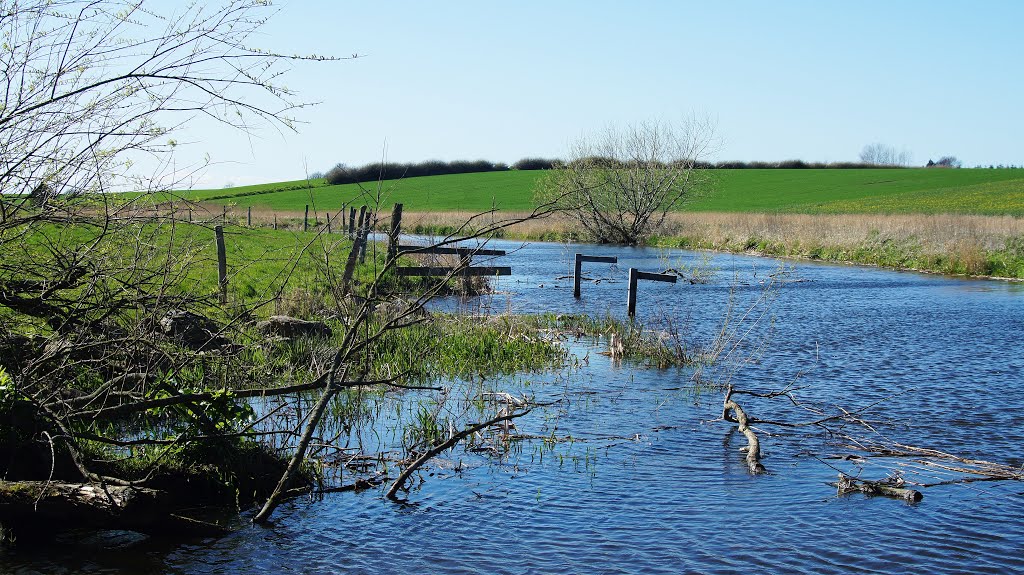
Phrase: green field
[915,190]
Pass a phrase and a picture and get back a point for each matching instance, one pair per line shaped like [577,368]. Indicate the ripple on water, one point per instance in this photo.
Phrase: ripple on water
[650,488]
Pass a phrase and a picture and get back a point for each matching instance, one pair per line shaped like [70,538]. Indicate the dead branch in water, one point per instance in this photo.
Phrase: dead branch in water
[743,423]
[448,444]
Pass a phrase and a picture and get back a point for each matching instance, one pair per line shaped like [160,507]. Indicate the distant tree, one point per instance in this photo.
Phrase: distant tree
[534,164]
[618,187]
[948,162]
[929,164]
[884,155]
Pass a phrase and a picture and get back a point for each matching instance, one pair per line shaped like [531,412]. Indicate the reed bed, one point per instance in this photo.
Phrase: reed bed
[959,244]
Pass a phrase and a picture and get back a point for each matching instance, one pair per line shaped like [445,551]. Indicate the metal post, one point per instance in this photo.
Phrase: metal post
[222,264]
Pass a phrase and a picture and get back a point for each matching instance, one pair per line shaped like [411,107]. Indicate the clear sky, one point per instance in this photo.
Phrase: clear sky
[506,80]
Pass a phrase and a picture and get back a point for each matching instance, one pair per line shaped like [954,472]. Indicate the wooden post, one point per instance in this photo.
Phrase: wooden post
[396,230]
[248,218]
[350,265]
[634,275]
[275,222]
[305,220]
[362,215]
[328,223]
[190,214]
[341,216]
[224,216]
[631,293]
[222,264]
[351,222]
[365,229]
[577,275]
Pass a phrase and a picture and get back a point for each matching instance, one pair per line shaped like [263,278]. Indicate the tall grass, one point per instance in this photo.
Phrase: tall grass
[956,244]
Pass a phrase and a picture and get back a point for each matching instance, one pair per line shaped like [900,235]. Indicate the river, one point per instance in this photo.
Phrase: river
[651,484]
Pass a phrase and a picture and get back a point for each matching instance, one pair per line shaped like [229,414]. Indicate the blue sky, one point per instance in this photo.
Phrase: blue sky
[505,80]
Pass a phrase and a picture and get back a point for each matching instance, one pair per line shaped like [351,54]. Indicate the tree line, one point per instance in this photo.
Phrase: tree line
[344,174]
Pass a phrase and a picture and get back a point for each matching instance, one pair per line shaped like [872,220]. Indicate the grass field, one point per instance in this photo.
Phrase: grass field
[931,191]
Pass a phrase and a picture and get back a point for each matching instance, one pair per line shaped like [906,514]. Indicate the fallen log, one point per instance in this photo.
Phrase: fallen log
[47,506]
[847,484]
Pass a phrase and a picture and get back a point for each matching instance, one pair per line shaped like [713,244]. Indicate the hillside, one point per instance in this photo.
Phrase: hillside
[919,190]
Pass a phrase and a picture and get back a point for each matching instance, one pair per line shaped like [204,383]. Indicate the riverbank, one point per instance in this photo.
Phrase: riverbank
[970,245]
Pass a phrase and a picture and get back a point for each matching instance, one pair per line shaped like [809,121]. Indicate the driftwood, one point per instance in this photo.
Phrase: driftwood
[847,484]
[743,424]
[45,506]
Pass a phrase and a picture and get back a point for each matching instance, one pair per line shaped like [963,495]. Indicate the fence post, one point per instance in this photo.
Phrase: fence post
[305,220]
[224,216]
[396,230]
[328,223]
[222,264]
[631,294]
[634,275]
[365,231]
[576,276]
[359,224]
[351,222]
[248,218]
[341,216]
[275,222]
[350,265]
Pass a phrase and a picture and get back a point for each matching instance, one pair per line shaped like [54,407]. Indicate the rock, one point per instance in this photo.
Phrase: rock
[288,327]
[192,330]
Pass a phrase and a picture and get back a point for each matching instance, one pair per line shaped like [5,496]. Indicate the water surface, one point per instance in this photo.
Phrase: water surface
[650,483]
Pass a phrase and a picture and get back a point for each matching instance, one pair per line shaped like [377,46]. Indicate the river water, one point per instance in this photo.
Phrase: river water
[650,483]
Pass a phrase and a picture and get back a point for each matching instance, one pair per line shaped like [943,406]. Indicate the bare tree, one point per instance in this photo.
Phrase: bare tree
[884,155]
[106,354]
[619,187]
[92,90]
